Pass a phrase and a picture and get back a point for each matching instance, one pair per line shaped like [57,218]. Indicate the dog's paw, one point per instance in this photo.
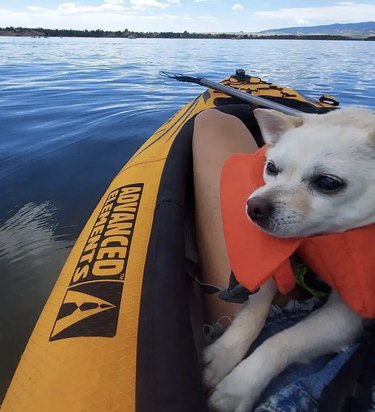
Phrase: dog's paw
[231,395]
[219,360]
[239,390]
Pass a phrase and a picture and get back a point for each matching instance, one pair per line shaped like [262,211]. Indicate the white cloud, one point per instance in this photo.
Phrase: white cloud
[208,19]
[237,7]
[109,15]
[114,1]
[108,6]
[340,12]
[145,4]
[302,22]
[38,9]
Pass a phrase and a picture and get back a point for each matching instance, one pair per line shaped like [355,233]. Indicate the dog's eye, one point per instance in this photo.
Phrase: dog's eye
[328,183]
[271,169]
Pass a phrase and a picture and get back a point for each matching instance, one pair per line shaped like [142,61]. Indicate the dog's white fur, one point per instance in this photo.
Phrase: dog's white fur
[339,144]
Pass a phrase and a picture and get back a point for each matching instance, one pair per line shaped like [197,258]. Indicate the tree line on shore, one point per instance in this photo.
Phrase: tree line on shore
[40,32]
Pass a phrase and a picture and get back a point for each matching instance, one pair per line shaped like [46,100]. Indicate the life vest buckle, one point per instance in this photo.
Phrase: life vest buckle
[235,292]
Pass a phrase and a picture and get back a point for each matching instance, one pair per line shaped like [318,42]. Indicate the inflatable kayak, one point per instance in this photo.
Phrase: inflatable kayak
[119,330]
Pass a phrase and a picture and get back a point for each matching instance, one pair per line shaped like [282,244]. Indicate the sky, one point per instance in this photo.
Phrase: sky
[180,15]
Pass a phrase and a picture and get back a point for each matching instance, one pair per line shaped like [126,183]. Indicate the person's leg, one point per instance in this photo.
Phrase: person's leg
[216,137]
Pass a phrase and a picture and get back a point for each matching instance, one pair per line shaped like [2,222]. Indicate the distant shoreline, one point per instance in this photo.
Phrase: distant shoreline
[126,34]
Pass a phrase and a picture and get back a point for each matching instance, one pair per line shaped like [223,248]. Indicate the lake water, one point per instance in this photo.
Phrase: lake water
[72,112]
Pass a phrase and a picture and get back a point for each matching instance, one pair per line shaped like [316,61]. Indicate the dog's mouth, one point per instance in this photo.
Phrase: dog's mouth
[267,216]
[277,231]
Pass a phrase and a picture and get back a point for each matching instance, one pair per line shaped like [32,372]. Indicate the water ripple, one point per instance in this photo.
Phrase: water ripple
[29,234]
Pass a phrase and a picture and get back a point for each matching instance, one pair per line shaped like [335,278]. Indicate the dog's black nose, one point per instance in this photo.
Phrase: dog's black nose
[259,209]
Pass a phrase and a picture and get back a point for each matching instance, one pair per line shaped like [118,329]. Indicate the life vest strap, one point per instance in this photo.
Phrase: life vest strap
[206,287]
[235,292]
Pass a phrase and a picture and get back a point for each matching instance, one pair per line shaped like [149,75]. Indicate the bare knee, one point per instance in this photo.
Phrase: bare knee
[213,128]
[206,117]
[213,120]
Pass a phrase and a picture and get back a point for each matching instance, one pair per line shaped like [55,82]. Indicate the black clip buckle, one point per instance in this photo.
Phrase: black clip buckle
[235,293]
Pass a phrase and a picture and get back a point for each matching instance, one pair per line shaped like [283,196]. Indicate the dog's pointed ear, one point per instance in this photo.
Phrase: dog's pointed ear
[274,124]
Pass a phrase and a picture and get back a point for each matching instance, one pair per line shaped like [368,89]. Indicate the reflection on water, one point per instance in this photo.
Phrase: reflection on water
[74,110]
[30,255]
[28,234]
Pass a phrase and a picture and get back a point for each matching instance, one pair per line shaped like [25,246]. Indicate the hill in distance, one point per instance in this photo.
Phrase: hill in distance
[355,30]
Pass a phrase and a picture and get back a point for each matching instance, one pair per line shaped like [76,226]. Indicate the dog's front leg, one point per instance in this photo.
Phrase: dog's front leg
[224,354]
[327,330]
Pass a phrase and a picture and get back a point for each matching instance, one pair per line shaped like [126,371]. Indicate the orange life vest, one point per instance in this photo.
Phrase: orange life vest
[345,261]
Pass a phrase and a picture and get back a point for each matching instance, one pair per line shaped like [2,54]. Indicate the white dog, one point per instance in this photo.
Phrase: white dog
[319,178]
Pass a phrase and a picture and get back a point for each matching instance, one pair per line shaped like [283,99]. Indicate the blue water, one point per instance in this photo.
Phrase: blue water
[72,112]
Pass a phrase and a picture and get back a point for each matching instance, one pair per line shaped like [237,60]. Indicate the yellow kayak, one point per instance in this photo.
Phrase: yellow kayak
[116,333]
